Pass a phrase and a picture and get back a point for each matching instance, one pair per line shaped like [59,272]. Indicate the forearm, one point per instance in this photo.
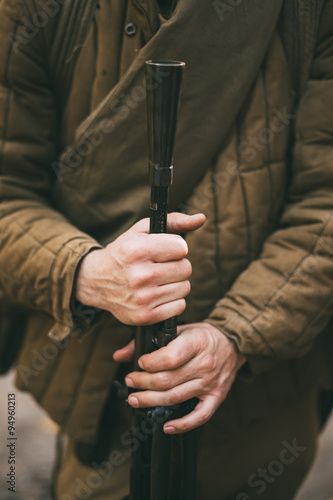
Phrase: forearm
[279,305]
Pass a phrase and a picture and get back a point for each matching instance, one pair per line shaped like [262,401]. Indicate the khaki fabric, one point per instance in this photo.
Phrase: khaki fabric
[263,270]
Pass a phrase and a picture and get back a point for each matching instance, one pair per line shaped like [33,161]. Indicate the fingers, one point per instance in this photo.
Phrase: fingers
[141,247]
[204,410]
[167,272]
[174,355]
[160,313]
[182,223]
[175,396]
[120,277]
[200,362]
[126,354]
[166,293]
[176,223]
[160,303]
[166,247]
[133,247]
[161,381]
[148,275]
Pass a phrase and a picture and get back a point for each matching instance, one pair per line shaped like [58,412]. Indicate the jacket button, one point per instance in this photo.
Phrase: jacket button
[131,29]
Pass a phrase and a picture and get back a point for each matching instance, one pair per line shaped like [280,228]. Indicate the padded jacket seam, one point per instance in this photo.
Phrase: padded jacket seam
[290,277]
[217,232]
[244,196]
[267,165]
[255,329]
[268,146]
[9,91]
[324,306]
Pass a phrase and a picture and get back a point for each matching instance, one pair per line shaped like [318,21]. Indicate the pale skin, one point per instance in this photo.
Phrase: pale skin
[142,279]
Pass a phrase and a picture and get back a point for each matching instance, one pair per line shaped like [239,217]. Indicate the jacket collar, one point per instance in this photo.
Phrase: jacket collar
[149,17]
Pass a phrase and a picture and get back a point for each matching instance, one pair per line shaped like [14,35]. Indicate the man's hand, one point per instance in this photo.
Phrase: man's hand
[140,278]
[201,362]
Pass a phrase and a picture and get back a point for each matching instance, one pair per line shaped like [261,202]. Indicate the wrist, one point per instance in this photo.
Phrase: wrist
[85,274]
[241,359]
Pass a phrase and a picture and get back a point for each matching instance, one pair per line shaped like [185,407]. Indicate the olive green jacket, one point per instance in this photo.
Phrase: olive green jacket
[73,177]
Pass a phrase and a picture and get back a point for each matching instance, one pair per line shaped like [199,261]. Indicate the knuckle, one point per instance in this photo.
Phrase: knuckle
[175,396]
[142,317]
[183,248]
[123,248]
[208,363]
[140,299]
[223,393]
[148,275]
[187,287]
[137,278]
[153,275]
[137,252]
[202,339]
[155,316]
[186,267]
[179,245]
[189,265]
[127,320]
[162,381]
[204,416]
[170,359]
[181,307]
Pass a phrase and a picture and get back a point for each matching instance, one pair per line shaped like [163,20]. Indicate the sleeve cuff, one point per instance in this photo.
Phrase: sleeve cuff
[260,357]
[68,319]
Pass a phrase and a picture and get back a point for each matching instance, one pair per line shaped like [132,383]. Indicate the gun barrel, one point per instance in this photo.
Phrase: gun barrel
[150,476]
[163,84]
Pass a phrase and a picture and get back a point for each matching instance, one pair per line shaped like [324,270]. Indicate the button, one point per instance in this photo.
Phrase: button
[131,29]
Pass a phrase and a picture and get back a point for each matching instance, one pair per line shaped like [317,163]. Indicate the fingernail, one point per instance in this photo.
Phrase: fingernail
[129,382]
[140,364]
[169,429]
[133,401]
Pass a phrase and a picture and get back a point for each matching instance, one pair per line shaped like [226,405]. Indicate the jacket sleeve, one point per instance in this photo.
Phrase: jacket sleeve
[39,249]
[281,302]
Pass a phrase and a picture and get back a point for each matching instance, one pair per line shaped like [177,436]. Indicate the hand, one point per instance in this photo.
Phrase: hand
[201,362]
[140,278]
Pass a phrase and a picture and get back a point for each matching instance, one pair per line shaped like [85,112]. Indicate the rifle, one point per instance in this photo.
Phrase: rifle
[151,472]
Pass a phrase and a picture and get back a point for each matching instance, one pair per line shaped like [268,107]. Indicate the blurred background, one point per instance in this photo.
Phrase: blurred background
[36,449]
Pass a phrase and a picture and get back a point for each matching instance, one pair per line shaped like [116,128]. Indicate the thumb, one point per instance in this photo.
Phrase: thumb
[126,354]
[183,223]
[176,222]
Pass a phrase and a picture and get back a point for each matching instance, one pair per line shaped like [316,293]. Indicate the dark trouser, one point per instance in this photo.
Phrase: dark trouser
[267,460]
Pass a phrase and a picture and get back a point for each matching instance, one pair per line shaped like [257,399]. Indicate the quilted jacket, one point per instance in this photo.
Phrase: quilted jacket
[73,177]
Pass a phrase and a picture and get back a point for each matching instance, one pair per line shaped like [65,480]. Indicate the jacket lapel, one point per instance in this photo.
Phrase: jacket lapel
[222,58]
